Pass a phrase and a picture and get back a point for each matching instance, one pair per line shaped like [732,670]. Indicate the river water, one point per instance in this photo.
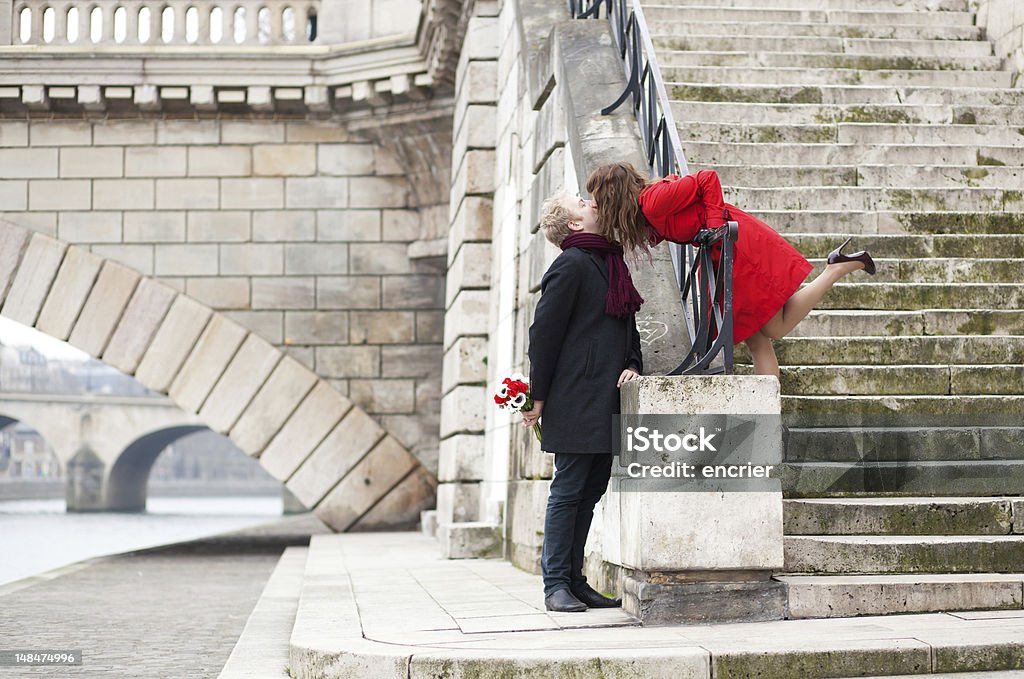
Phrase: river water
[39,535]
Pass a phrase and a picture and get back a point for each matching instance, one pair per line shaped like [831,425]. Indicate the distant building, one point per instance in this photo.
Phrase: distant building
[24,454]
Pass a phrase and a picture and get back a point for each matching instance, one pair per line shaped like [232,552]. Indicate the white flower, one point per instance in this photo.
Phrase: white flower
[518,377]
[518,402]
[503,391]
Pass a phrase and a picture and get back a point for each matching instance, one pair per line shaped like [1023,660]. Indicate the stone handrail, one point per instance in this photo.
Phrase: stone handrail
[163,22]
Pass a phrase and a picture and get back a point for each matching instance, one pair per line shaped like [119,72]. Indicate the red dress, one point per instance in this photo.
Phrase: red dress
[767,270]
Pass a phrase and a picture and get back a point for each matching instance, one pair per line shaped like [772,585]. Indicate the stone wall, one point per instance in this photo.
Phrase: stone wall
[1004,26]
[296,229]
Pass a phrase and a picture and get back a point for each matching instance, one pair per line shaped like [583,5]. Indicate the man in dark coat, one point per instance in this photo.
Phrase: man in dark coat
[580,354]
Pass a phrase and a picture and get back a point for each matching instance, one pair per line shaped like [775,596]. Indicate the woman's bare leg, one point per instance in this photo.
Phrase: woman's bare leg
[763,353]
[805,299]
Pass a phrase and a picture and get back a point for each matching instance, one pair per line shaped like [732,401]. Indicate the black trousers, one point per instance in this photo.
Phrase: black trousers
[580,481]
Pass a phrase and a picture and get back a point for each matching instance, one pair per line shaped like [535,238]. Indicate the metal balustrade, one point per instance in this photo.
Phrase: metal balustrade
[705,289]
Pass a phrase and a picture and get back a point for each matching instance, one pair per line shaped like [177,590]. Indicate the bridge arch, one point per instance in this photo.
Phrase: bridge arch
[331,454]
[127,485]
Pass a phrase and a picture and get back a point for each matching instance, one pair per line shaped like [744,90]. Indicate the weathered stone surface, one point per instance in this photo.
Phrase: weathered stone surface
[286,387]
[467,315]
[458,502]
[904,554]
[172,343]
[33,279]
[462,411]
[141,318]
[474,540]
[13,241]
[70,289]
[206,362]
[108,298]
[242,378]
[403,506]
[335,457]
[303,431]
[461,458]
[464,362]
[673,603]
[899,516]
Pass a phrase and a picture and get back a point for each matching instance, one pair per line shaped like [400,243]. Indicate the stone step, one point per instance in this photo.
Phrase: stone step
[727,75]
[754,16]
[897,380]
[851,133]
[822,411]
[824,44]
[825,114]
[877,5]
[984,674]
[915,245]
[903,554]
[843,596]
[938,271]
[746,57]
[262,650]
[913,296]
[669,21]
[713,154]
[897,350]
[915,478]
[845,322]
[861,95]
[874,198]
[892,223]
[870,176]
[904,516]
[974,439]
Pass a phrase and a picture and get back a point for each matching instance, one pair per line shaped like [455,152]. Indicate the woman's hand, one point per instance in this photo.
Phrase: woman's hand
[532,416]
[627,375]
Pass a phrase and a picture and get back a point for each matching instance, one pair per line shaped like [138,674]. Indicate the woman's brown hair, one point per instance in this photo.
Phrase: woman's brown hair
[616,189]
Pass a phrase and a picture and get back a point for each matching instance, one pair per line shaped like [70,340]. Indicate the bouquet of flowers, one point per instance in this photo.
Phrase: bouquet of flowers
[514,394]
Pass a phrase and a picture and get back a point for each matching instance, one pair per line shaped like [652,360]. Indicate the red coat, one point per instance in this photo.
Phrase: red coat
[767,270]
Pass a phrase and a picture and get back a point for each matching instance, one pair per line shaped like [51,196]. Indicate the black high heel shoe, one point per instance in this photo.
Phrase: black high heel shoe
[837,257]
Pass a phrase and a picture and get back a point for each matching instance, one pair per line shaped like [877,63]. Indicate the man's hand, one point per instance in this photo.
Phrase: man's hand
[627,375]
[531,417]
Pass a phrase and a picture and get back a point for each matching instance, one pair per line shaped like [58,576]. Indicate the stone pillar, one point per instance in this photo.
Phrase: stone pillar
[1003,21]
[699,555]
[85,482]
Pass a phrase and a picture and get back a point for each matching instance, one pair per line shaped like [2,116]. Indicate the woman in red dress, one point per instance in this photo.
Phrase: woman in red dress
[768,301]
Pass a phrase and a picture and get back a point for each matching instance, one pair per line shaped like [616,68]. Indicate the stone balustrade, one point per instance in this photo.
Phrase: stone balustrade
[173,23]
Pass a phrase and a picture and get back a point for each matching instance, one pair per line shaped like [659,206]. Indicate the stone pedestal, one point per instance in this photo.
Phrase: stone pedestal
[700,550]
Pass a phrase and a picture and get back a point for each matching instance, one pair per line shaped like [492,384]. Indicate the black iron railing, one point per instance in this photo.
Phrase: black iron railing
[705,289]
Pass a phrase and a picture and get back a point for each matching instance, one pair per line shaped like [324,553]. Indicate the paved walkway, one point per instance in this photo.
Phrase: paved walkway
[173,611]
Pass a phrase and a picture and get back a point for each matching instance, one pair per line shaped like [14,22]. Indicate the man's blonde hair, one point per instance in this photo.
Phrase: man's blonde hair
[555,217]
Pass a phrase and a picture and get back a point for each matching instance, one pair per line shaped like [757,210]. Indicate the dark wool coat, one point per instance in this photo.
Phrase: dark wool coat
[577,353]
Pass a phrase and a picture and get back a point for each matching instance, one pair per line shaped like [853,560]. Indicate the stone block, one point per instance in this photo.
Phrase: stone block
[242,378]
[400,225]
[680,603]
[345,159]
[188,132]
[138,324]
[13,242]
[154,227]
[186,260]
[348,225]
[252,259]
[413,360]
[206,362]
[14,194]
[60,194]
[220,226]
[382,327]
[404,505]
[89,227]
[315,132]
[346,362]
[284,390]
[458,502]
[316,192]
[461,458]
[472,223]
[122,194]
[348,292]
[412,292]
[187,194]
[429,326]
[246,132]
[60,133]
[372,478]
[124,133]
[475,176]
[284,160]
[107,299]
[370,192]
[219,161]
[379,258]
[304,430]
[220,292]
[137,257]
[251,193]
[70,289]
[291,292]
[465,363]
[467,316]
[155,161]
[462,411]
[26,163]
[321,258]
[172,342]
[383,396]
[13,133]
[350,440]
[470,270]
[266,324]
[315,327]
[32,281]
[476,540]
[91,162]
[284,225]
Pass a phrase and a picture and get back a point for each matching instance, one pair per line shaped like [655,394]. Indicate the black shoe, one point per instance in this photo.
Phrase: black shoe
[595,599]
[564,602]
[837,257]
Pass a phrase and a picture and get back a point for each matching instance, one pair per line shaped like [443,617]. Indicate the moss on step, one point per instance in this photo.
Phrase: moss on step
[982,159]
[965,118]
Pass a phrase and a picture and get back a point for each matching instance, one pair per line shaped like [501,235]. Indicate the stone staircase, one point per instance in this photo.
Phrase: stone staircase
[892,122]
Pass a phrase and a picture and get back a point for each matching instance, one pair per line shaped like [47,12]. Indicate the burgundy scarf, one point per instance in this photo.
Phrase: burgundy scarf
[623,298]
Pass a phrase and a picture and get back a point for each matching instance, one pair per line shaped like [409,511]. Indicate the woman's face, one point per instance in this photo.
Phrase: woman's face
[586,214]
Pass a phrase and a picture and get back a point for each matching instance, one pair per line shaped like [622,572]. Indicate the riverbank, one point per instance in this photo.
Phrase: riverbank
[52,490]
